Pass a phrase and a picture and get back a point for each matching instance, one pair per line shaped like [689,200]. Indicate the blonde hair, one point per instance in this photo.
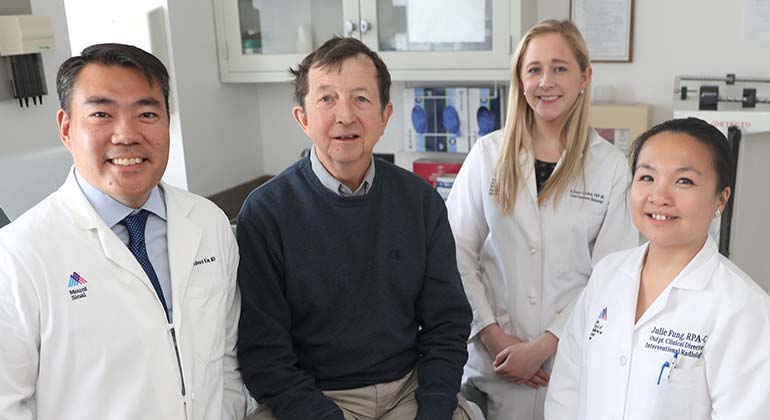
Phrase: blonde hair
[517,134]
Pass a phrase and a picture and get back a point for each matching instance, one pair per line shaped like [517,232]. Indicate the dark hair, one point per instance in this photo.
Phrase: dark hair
[721,156]
[110,55]
[331,55]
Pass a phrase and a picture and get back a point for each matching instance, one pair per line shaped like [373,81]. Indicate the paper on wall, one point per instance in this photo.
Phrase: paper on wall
[605,26]
[437,21]
[758,20]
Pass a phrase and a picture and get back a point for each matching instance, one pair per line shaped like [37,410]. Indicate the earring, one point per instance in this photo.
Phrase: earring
[718,213]
[582,91]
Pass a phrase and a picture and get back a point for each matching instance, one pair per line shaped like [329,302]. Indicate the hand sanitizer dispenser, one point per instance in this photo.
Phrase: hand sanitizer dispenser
[22,39]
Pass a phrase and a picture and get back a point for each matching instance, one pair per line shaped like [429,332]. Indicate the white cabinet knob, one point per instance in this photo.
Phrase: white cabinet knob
[350,26]
[365,26]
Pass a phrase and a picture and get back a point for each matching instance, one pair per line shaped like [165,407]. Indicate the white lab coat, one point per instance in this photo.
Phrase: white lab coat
[524,271]
[608,365]
[103,349]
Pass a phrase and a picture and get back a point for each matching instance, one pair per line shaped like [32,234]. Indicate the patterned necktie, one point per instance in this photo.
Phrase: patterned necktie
[135,224]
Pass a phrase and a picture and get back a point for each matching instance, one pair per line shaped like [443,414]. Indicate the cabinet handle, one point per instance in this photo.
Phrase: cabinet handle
[365,26]
[350,26]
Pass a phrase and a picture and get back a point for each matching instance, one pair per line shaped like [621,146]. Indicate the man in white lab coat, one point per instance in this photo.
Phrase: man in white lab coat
[119,297]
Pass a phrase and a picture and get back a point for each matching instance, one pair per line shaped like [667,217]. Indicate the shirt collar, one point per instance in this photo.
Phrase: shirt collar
[337,187]
[703,263]
[112,211]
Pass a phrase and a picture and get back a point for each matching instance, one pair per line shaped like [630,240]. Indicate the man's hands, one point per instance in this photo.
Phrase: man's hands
[516,360]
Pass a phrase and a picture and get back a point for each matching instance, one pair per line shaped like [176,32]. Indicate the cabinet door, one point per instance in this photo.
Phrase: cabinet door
[420,39]
[260,39]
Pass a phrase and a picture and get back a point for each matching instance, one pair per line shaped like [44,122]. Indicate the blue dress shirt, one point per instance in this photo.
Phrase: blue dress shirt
[113,212]
[330,182]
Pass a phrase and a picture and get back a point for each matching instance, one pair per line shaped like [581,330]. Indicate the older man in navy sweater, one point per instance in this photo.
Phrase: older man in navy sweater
[352,304]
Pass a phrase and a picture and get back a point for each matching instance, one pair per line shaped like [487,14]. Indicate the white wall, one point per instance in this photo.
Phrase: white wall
[93,21]
[33,162]
[281,138]
[220,126]
[692,37]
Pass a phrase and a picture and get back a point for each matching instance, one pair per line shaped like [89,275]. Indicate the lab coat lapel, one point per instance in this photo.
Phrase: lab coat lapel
[527,166]
[695,276]
[75,204]
[526,204]
[698,273]
[627,292]
[184,238]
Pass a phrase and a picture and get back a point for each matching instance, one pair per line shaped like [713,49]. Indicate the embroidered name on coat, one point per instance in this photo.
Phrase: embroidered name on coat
[587,195]
[206,260]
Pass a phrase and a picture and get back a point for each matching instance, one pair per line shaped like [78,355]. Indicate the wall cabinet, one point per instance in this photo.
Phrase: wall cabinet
[420,40]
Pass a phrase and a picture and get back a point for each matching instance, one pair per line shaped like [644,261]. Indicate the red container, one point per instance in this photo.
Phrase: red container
[431,169]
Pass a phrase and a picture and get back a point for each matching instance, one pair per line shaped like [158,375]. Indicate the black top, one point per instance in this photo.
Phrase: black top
[543,171]
[3,218]
[344,292]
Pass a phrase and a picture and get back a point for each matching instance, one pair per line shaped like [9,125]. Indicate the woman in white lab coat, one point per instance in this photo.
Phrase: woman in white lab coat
[534,206]
[671,329]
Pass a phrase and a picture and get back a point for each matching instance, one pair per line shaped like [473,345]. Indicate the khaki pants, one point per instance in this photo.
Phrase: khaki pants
[389,401]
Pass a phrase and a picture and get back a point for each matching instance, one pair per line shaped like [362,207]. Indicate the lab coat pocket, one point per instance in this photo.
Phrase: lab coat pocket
[684,395]
[584,218]
[210,285]
[573,234]
[207,318]
[205,326]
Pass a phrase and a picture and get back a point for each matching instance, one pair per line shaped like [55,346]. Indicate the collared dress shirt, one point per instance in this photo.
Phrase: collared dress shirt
[113,212]
[333,184]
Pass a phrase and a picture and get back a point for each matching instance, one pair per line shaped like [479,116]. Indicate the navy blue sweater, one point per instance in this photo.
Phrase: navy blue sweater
[344,292]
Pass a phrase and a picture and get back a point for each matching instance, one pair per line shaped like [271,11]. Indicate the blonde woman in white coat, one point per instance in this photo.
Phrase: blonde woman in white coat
[533,208]
[671,329]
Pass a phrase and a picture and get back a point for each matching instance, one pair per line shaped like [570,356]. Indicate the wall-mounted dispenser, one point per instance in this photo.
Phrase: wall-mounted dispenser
[22,39]
[450,119]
